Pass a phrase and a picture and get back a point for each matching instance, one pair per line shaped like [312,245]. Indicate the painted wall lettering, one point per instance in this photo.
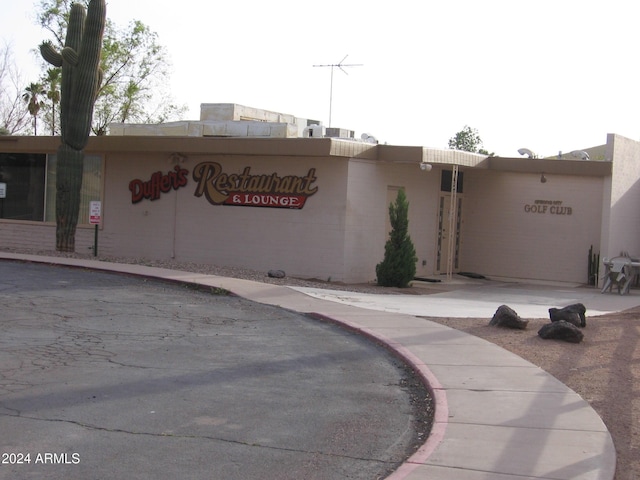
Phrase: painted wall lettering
[158,184]
[552,207]
[244,189]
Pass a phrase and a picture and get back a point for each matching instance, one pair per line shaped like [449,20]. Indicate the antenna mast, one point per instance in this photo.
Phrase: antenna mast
[340,65]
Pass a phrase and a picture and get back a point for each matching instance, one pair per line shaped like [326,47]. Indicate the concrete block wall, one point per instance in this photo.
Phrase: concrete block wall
[305,242]
[367,226]
[516,227]
[42,236]
[621,225]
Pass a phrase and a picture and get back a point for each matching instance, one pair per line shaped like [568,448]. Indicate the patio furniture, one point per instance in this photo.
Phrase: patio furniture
[620,272]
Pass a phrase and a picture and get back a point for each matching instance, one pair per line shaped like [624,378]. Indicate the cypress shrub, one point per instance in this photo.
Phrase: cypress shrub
[398,267]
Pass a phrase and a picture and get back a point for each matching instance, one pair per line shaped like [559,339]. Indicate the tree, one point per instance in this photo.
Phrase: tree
[14,115]
[468,140]
[398,267]
[33,96]
[135,70]
[52,89]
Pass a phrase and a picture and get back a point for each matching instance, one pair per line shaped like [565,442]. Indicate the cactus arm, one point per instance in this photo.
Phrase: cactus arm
[50,54]
[75,28]
[70,56]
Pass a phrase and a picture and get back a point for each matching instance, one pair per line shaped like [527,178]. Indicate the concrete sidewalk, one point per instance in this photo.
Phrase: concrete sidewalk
[497,415]
[473,299]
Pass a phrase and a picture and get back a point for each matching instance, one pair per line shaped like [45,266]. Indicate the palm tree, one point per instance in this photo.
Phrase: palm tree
[32,95]
[53,80]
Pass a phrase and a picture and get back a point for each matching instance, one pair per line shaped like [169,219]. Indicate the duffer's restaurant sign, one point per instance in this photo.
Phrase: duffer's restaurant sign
[220,188]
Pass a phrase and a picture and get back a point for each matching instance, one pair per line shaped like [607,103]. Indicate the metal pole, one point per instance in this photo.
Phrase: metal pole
[453,213]
[95,242]
[331,96]
[340,65]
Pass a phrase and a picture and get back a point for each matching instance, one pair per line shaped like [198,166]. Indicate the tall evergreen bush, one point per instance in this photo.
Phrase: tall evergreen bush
[398,267]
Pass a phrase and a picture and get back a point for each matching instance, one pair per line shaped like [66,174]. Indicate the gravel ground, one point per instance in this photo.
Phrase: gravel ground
[604,369]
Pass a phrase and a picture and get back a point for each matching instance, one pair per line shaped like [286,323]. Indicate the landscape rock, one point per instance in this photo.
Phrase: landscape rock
[575,314]
[561,330]
[506,317]
[276,274]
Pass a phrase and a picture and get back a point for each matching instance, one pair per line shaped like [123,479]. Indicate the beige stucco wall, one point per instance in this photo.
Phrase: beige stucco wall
[368,211]
[305,242]
[621,222]
[500,238]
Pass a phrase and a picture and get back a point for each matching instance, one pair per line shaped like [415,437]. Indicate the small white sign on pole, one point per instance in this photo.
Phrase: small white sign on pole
[95,212]
[3,190]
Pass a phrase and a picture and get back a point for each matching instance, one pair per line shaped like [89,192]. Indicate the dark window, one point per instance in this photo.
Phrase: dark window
[29,186]
[445,181]
[24,177]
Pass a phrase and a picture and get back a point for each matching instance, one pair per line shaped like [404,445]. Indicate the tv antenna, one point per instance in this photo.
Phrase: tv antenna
[340,65]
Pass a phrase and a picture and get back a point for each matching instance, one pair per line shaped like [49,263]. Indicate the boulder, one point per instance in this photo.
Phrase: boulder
[276,274]
[561,330]
[574,314]
[506,317]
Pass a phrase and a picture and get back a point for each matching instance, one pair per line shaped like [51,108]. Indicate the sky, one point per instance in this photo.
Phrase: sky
[547,75]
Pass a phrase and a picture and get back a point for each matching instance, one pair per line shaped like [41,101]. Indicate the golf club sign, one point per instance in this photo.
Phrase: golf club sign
[552,207]
[240,189]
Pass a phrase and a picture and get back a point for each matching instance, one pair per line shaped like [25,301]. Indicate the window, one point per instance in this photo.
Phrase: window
[23,174]
[30,181]
[446,180]
[91,187]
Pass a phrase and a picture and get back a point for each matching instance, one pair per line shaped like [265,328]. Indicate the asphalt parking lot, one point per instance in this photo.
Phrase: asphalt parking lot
[112,376]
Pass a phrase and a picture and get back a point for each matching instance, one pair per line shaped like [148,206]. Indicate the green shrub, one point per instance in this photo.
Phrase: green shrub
[398,267]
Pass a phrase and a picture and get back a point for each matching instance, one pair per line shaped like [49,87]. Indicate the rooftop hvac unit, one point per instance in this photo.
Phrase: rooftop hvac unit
[340,133]
[314,131]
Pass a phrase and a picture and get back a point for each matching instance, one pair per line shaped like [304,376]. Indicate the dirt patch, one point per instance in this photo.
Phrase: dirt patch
[604,369]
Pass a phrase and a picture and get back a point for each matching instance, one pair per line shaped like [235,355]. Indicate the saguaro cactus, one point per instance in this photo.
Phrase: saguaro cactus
[81,76]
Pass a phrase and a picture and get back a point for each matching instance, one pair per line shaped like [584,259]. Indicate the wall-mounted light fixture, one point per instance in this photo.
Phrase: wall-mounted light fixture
[425,167]
[543,179]
[582,155]
[527,152]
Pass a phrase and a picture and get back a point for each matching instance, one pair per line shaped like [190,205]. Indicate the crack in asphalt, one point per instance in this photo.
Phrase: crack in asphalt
[198,437]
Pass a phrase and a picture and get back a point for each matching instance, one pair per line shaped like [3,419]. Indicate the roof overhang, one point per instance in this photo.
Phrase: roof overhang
[550,165]
[300,147]
[418,155]
[311,147]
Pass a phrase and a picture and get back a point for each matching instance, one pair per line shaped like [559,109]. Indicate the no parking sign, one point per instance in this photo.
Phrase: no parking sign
[95,217]
[95,213]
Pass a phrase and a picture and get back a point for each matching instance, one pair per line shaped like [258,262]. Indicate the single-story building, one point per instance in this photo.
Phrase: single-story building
[249,189]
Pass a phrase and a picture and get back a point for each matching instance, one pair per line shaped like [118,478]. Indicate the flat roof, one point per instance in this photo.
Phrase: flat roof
[311,147]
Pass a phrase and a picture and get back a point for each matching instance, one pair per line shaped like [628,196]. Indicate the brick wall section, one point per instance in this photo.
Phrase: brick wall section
[41,236]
